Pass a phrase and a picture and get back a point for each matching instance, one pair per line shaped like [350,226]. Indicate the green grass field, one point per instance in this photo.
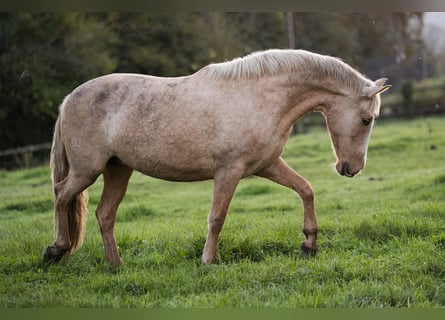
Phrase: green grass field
[381,240]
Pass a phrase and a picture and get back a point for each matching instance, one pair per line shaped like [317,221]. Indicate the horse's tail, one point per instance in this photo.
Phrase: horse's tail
[77,208]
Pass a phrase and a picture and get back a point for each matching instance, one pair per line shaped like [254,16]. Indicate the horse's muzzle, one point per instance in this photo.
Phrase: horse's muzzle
[345,170]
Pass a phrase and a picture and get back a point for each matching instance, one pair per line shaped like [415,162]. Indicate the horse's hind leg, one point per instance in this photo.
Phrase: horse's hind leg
[70,213]
[116,177]
[281,173]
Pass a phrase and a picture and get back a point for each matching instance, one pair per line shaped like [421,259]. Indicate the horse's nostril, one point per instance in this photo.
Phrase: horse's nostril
[344,168]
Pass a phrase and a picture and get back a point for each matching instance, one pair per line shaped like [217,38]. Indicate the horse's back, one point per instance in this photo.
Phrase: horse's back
[142,120]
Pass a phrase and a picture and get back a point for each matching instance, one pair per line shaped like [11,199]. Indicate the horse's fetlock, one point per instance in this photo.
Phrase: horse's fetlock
[207,260]
[310,232]
[54,254]
[308,250]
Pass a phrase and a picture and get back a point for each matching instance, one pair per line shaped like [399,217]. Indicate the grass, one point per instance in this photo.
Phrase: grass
[382,235]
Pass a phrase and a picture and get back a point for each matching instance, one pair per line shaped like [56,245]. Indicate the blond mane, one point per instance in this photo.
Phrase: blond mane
[279,61]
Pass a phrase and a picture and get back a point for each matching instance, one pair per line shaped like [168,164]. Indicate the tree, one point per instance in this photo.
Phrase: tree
[42,57]
[379,44]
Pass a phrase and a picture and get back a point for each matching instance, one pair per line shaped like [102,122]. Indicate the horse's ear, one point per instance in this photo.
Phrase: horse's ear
[376,89]
[380,82]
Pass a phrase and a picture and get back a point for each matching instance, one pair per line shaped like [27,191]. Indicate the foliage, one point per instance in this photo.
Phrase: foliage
[43,56]
[382,236]
[378,44]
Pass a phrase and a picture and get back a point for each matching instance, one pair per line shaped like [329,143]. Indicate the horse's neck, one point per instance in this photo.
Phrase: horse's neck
[303,97]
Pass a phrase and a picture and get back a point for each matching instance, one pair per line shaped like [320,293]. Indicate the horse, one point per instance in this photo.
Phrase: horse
[225,122]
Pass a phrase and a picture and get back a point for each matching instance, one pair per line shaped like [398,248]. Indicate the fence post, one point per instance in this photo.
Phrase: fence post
[23,157]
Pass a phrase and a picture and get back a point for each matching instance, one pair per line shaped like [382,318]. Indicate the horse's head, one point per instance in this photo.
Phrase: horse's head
[350,119]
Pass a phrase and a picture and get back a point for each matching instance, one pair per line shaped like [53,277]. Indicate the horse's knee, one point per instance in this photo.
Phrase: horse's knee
[215,224]
[308,193]
[105,220]
[305,192]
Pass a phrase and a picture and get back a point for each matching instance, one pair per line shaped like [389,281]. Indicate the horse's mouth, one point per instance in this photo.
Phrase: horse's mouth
[344,171]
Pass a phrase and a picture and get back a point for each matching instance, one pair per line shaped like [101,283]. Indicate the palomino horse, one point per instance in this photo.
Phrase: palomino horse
[225,122]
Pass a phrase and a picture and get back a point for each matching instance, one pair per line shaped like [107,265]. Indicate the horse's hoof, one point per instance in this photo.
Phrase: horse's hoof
[53,254]
[308,252]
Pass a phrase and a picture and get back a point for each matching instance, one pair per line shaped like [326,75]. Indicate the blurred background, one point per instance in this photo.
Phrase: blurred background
[44,56]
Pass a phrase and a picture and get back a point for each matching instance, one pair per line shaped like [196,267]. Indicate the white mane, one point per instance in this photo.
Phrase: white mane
[278,61]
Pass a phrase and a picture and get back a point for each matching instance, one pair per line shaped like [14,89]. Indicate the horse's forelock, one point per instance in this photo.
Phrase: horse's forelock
[375,106]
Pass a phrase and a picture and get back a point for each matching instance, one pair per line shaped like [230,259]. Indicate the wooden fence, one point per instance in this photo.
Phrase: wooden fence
[25,157]
[422,101]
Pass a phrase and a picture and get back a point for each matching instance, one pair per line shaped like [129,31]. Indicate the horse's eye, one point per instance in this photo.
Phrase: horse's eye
[366,121]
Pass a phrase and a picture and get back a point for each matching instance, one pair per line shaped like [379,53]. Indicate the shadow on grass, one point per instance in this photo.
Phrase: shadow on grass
[232,251]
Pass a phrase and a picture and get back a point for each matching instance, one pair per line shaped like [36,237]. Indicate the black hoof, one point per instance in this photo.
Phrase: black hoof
[308,252]
[53,254]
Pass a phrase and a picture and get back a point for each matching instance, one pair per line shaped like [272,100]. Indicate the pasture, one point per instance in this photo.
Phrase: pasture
[381,239]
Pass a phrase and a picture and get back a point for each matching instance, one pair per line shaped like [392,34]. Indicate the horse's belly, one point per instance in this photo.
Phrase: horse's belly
[177,175]
[185,170]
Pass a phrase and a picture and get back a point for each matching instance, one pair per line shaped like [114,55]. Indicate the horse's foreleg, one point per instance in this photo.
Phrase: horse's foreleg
[116,177]
[224,187]
[281,173]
